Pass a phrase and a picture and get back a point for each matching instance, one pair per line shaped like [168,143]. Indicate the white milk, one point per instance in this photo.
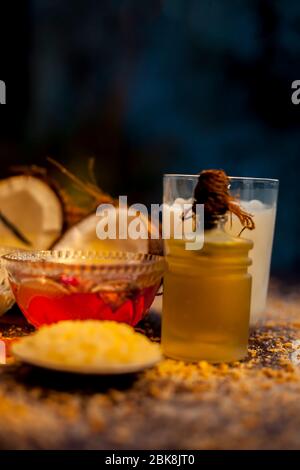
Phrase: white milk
[262,237]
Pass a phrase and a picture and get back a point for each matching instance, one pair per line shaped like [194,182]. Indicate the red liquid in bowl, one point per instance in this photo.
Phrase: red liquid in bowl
[45,302]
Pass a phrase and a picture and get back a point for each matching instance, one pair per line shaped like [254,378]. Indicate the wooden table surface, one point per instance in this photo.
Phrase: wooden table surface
[253,404]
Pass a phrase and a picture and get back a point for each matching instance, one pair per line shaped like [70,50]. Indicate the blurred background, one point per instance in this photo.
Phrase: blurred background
[157,86]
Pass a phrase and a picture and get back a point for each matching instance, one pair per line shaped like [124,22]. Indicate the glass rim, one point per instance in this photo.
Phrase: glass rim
[49,261]
[5,250]
[232,178]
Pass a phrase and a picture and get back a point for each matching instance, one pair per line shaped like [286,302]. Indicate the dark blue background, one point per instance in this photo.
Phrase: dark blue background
[158,86]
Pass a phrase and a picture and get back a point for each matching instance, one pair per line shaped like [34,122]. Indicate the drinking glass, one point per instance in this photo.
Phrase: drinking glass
[258,196]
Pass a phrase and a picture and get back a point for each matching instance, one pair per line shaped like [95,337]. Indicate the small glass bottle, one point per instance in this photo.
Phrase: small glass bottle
[206,304]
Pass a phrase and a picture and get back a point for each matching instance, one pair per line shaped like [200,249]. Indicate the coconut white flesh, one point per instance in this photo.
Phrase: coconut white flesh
[33,208]
[83,236]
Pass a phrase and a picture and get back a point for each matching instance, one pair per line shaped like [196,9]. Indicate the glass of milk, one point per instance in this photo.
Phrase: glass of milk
[258,196]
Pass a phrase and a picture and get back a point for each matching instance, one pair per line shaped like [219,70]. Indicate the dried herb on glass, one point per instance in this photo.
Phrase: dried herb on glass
[212,190]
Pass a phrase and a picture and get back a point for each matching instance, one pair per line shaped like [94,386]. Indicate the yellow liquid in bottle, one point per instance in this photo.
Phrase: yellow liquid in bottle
[206,305]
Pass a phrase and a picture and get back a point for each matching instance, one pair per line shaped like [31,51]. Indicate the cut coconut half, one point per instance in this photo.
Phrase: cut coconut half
[85,234]
[31,215]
